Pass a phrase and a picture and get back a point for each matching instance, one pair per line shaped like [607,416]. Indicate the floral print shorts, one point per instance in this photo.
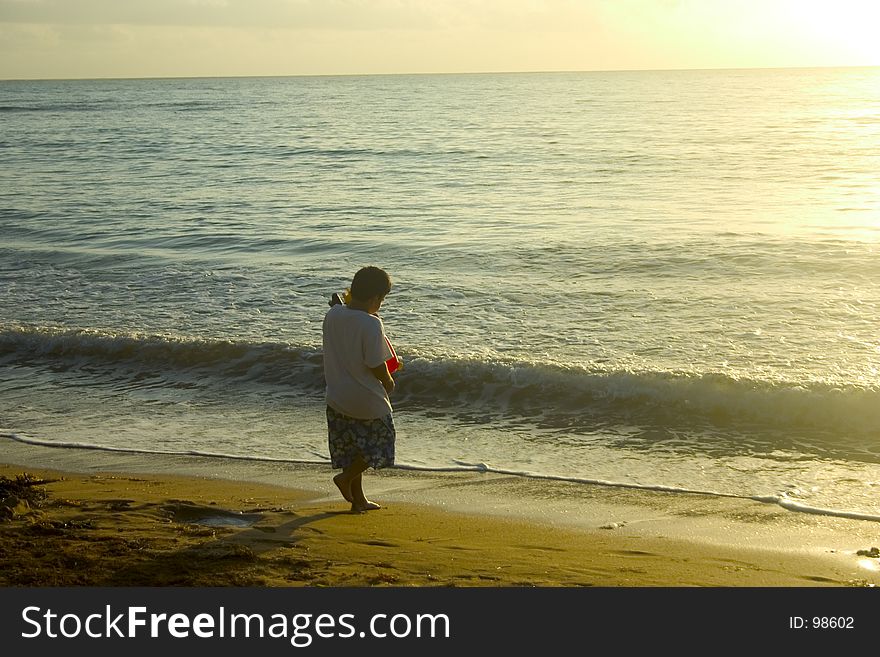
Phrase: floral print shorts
[372,439]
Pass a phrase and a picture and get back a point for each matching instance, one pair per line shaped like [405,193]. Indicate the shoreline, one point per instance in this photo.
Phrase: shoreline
[125,519]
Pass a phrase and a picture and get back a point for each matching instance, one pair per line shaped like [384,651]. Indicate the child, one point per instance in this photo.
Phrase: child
[359,424]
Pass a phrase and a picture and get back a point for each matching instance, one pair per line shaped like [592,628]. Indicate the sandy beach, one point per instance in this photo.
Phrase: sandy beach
[106,519]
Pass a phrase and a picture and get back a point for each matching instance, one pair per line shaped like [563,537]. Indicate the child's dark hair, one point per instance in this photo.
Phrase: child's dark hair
[370,282]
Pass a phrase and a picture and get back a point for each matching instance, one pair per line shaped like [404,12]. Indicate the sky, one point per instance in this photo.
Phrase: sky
[205,38]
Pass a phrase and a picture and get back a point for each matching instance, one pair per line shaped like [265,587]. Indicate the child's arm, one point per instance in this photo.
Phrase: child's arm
[384,377]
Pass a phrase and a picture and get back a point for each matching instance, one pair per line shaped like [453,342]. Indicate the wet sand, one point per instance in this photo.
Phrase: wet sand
[201,522]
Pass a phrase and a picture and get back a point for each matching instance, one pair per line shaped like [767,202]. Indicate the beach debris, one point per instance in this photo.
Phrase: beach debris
[613,525]
[11,507]
[59,527]
[874,553]
[20,496]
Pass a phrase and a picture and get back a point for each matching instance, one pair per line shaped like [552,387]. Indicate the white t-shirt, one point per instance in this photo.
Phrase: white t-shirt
[354,342]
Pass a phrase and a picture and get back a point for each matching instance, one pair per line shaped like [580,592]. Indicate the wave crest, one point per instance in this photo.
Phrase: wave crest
[481,390]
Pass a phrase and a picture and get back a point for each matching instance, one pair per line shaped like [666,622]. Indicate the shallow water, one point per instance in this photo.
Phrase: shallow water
[663,279]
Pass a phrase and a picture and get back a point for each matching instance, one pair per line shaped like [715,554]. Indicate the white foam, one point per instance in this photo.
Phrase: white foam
[782,501]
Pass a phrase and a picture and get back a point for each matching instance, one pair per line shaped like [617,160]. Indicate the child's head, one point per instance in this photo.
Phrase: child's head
[370,282]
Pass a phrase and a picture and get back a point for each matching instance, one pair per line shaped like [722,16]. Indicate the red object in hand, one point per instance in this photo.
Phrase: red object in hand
[393,363]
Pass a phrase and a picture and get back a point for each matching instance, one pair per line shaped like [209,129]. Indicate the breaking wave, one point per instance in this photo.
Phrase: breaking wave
[556,396]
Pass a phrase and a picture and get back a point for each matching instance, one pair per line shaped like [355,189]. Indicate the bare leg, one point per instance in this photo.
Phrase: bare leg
[345,478]
[359,502]
[340,482]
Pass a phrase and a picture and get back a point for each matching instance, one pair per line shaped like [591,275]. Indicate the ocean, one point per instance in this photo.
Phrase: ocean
[662,280]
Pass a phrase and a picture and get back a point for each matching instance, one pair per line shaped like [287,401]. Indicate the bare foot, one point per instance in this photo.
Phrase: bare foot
[343,486]
[365,505]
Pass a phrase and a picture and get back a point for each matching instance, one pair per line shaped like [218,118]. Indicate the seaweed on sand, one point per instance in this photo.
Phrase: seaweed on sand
[23,490]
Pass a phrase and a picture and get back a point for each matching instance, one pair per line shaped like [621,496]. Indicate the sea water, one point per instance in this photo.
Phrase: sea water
[654,279]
